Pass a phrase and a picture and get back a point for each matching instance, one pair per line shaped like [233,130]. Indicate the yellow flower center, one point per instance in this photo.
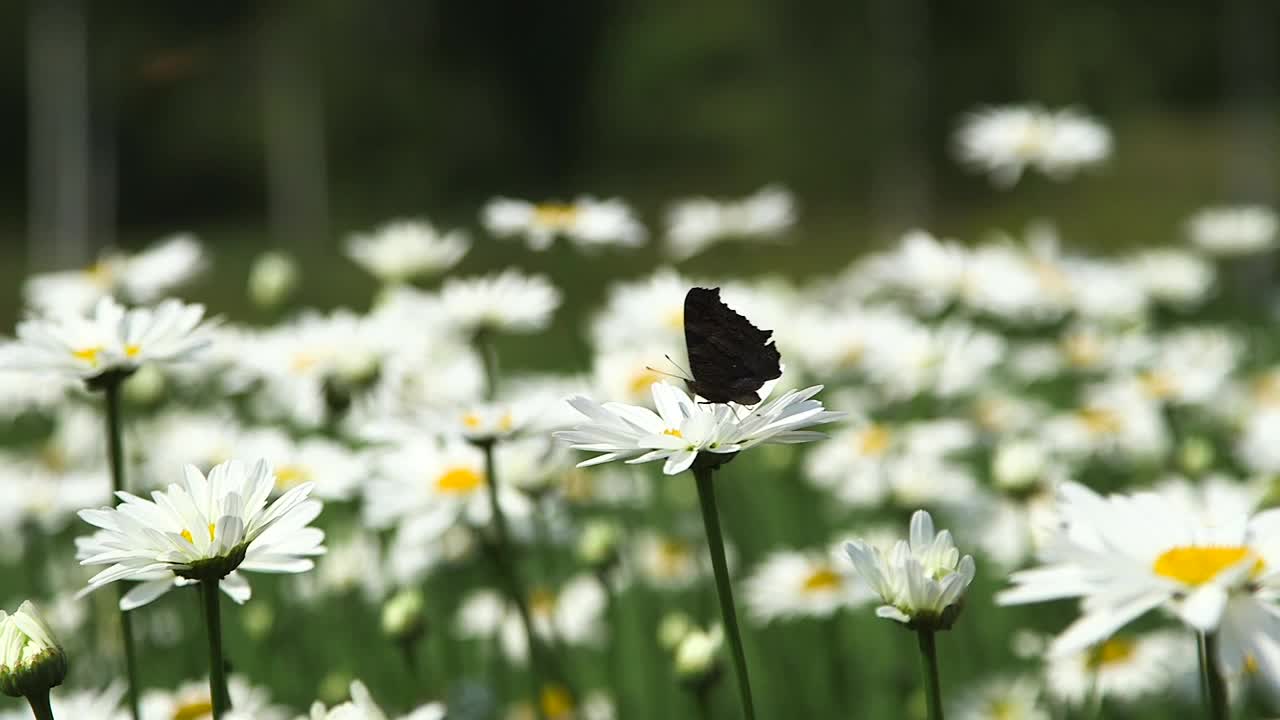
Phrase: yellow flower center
[506,422]
[187,534]
[1033,140]
[641,381]
[673,432]
[1199,565]
[675,318]
[459,480]
[303,361]
[1157,385]
[89,354]
[471,421]
[100,274]
[556,703]
[873,441]
[291,475]
[132,351]
[1082,351]
[1100,421]
[1250,665]
[542,602]
[555,216]
[1002,710]
[1112,652]
[824,579]
[193,710]
[673,557]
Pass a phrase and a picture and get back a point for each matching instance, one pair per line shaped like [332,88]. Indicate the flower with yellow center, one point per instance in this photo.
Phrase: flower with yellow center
[203,530]
[110,339]
[1125,555]
[789,585]
[1122,667]
[586,222]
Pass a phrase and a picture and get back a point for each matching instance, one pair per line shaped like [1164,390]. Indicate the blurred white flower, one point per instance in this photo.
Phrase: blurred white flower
[87,704]
[1002,699]
[572,615]
[696,224]
[140,278]
[401,250]
[1123,667]
[789,585]
[922,580]
[509,301]
[190,701]
[1233,231]
[1175,277]
[111,339]
[587,222]
[1005,141]
[362,707]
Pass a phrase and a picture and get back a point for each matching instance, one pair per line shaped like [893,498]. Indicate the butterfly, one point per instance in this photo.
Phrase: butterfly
[729,358]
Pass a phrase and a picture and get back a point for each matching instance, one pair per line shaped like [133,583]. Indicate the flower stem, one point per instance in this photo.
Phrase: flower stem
[502,554]
[40,707]
[115,455]
[1214,686]
[705,478]
[929,666]
[218,694]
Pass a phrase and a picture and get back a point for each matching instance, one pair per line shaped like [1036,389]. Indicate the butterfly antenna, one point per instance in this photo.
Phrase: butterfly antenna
[685,377]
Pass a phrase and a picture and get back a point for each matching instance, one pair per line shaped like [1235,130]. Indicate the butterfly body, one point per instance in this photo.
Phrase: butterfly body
[730,359]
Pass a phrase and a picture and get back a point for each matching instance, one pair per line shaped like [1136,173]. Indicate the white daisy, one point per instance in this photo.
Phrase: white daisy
[1004,141]
[1002,699]
[922,581]
[190,701]
[1125,555]
[695,224]
[1234,231]
[86,704]
[141,278]
[587,222]
[362,707]
[573,615]
[111,339]
[204,529]
[790,585]
[1123,667]
[401,250]
[509,301]
[682,428]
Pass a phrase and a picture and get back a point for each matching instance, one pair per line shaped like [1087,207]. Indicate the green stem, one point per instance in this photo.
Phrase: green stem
[489,356]
[115,453]
[40,707]
[929,666]
[702,696]
[705,478]
[218,694]
[1215,687]
[502,554]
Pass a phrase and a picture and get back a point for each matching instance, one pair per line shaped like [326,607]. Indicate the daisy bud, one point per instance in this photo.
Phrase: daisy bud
[31,660]
[598,544]
[673,628]
[1196,455]
[698,656]
[1017,465]
[272,278]
[404,616]
[146,386]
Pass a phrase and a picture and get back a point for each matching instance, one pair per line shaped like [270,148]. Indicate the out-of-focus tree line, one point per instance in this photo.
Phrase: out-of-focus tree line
[286,115]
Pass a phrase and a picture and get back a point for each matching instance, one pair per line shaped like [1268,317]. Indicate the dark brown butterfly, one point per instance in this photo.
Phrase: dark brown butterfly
[729,358]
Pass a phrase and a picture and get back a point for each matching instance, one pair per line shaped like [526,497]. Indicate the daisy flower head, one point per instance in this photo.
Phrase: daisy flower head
[191,701]
[143,277]
[31,658]
[801,585]
[509,301]
[922,581]
[91,704]
[696,224]
[1123,667]
[362,706]
[401,250]
[1125,555]
[1002,698]
[682,428]
[205,528]
[587,222]
[112,340]
[1234,231]
[1005,141]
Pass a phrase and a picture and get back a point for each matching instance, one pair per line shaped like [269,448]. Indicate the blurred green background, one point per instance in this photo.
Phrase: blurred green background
[289,124]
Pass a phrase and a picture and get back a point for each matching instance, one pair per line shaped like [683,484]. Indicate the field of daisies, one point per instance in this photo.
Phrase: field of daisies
[998,479]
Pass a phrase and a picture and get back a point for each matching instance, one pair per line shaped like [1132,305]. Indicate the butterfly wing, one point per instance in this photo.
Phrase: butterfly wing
[729,357]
